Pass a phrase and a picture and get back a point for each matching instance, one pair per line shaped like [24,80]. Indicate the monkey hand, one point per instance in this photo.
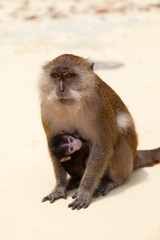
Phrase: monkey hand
[59,192]
[65,159]
[82,200]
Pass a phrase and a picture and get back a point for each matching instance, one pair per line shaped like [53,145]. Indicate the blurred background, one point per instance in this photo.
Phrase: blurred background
[83,26]
[78,25]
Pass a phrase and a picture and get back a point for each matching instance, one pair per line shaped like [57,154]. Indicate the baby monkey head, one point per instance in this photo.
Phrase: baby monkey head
[64,145]
[67,77]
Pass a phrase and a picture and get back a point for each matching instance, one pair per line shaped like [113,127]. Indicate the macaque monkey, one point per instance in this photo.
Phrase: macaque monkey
[64,145]
[75,99]
[67,147]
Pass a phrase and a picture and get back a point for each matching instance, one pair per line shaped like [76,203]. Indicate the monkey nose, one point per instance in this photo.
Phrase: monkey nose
[77,144]
[61,87]
[61,90]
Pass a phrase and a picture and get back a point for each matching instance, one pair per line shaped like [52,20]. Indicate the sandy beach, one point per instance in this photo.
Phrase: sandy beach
[126,36]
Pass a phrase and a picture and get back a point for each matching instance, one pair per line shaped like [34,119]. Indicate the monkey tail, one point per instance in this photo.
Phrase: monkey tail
[147,158]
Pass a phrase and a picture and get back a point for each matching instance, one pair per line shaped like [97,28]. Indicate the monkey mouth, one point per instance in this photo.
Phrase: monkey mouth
[65,100]
[67,96]
[62,96]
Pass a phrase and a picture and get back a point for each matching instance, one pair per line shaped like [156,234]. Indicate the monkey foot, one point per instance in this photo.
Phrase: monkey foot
[104,187]
[59,193]
[81,201]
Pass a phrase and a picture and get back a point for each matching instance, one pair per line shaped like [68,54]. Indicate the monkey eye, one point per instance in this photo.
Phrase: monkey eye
[71,139]
[69,75]
[55,75]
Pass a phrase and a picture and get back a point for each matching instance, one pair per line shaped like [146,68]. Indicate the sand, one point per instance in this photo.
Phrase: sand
[131,38]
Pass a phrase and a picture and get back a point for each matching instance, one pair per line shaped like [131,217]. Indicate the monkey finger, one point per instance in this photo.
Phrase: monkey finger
[78,204]
[99,192]
[96,194]
[73,204]
[52,200]
[81,205]
[45,199]
[86,205]
[48,198]
[65,159]
[74,195]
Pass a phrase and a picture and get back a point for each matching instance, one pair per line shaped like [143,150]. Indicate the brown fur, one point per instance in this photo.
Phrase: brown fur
[89,107]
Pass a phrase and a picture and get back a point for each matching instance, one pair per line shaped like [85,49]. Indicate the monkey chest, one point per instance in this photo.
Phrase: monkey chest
[68,119]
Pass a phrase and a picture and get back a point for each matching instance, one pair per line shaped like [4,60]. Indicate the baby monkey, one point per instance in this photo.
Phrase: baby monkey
[64,145]
[72,151]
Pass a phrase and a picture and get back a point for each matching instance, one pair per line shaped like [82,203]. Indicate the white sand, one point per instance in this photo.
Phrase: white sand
[129,212]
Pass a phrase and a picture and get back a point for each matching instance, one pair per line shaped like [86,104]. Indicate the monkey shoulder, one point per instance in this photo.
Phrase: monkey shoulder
[109,97]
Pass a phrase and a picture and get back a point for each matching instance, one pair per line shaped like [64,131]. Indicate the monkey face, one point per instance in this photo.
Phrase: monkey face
[63,82]
[63,145]
[73,144]
[67,77]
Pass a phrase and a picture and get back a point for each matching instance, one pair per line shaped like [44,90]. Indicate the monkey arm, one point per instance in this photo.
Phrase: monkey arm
[60,173]
[100,154]
[96,166]
[61,181]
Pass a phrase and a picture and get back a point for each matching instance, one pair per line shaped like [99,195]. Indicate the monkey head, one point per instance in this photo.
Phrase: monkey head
[64,145]
[67,77]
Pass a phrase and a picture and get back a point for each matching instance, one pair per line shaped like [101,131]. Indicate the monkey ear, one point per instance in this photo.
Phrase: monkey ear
[91,66]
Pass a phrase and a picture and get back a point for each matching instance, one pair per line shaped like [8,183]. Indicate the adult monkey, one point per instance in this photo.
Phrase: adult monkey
[75,99]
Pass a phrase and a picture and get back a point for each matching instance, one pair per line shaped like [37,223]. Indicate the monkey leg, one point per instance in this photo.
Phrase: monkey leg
[72,184]
[121,165]
[61,182]
[104,187]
